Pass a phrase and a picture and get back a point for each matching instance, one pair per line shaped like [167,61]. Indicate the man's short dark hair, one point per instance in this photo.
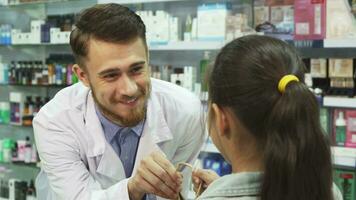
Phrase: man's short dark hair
[107,22]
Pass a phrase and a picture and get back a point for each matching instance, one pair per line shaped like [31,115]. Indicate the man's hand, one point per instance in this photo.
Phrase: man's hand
[155,175]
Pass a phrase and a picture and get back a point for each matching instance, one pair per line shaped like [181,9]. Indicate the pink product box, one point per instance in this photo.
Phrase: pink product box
[309,19]
[350,128]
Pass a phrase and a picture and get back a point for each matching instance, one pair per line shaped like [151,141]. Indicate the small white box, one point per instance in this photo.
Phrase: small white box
[36,25]
[55,35]
[15,36]
[27,38]
[212,21]
[35,38]
[64,37]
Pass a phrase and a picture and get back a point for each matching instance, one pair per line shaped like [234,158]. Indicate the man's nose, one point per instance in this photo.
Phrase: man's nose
[127,86]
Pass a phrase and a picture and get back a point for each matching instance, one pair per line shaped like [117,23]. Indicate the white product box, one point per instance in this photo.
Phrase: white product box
[212,22]
[15,36]
[36,25]
[27,38]
[177,79]
[173,29]
[159,32]
[64,37]
[55,35]
[4,2]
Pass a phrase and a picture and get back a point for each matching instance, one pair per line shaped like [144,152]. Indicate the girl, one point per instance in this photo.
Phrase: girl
[265,122]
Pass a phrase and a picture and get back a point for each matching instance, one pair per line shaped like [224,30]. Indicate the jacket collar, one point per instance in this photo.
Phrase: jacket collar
[234,185]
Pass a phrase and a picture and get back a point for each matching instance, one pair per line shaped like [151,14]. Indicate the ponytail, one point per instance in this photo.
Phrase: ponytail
[286,125]
[297,154]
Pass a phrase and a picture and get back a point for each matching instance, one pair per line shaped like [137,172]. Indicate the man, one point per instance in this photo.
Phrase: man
[117,134]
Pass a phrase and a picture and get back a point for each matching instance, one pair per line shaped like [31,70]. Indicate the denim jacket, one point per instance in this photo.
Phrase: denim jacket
[241,186]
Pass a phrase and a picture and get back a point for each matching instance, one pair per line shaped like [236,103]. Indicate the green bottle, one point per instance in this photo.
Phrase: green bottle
[203,67]
[340,126]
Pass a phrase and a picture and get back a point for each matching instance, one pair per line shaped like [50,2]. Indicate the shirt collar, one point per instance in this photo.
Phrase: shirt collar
[111,129]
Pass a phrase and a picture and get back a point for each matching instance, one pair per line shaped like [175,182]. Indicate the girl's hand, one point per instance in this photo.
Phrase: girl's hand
[202,178]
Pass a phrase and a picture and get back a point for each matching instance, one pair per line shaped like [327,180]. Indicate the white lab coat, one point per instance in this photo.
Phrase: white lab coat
[78,163]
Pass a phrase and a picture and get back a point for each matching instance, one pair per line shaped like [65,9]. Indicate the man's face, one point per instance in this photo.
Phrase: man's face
[118,75]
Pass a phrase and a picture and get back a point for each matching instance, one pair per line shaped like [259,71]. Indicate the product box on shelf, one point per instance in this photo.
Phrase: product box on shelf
[340,21]
[212,21]
[16,108]
[351,128]
[345,180]
[283,19]
[36,31]
[59,37]
[261,15]
[344,127]
[341,77]
[310,19]
[279,2]
[4,2]
[161,27]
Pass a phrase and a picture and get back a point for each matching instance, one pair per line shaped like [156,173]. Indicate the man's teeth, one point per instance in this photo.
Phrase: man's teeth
[132,100]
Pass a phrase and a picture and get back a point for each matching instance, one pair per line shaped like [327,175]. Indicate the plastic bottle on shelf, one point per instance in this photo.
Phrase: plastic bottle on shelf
[7,147]
[28,151]
[203,66]
[31,191]
[188,29]
[1,151]
[4,112]
[34,154]
[14,151]
[340,129]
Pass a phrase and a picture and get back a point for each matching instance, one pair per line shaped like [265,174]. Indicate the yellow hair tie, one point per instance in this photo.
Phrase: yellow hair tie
[284,82]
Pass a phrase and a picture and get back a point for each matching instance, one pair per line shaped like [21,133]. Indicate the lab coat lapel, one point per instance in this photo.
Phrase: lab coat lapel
[155,131]
[109,163]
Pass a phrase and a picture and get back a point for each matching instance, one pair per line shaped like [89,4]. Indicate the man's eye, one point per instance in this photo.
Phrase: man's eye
[110,76]
[137,69]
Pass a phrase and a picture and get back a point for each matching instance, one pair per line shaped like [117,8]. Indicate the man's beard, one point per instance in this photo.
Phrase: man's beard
[136,115]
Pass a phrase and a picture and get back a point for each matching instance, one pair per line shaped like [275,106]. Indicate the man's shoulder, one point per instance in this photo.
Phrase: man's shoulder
[67,99]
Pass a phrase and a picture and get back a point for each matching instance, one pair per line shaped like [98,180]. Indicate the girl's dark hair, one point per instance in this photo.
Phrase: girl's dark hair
[296,153]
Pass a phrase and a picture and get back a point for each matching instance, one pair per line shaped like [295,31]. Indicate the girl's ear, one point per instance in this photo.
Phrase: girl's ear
[221,120]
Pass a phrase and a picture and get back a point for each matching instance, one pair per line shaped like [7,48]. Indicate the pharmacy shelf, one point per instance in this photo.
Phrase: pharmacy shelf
[134,1]
[344,156]
[46,86]
[192,45]
[340,43]
[174,46]
[39,44]
[21,164]
[342,102]
[36,2]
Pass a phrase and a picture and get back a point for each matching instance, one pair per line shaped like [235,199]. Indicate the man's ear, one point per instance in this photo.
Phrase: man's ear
[81,74]
[221,120]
